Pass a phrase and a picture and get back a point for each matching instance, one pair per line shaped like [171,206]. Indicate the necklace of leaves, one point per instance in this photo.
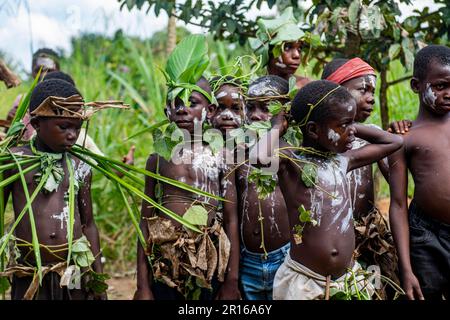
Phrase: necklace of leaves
[49,162]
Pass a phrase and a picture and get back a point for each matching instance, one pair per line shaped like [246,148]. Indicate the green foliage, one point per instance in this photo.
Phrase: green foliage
[165,141]
[265,183]
[185,66]
[196,215]
[97,282]
[309,174]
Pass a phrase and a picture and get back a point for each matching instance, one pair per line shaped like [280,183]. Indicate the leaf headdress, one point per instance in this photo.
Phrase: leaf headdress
[274,33]
[184,68]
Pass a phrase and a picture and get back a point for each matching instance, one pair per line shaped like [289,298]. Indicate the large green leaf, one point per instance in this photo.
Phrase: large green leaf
[189,53]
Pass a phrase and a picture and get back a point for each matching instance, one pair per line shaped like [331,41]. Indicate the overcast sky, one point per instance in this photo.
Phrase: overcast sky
[53,22]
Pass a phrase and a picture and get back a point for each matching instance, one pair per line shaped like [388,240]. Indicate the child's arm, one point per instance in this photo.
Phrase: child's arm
[230,289]
[144,273]
[398,218]
[89,227]
[381,145]
[265,149]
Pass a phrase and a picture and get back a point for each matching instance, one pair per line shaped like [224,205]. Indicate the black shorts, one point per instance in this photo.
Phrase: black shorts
[430,253]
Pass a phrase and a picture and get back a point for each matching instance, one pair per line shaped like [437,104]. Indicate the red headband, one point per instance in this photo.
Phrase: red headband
[351,69]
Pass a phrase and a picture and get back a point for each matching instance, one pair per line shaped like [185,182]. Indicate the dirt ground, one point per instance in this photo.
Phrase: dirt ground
[123,287]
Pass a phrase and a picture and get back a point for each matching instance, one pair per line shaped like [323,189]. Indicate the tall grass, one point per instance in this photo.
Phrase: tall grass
[127,69]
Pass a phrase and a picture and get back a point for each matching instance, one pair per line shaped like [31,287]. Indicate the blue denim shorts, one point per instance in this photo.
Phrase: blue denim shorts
[257,273]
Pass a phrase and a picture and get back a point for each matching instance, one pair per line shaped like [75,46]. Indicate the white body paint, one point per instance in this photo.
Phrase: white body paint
[333,136]
[429,98]
[227,113]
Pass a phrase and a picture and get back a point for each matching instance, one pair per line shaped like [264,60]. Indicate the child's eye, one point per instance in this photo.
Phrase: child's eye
[62,127]
[439,86]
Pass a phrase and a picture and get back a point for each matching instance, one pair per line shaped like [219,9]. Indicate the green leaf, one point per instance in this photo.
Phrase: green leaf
[196,215]
[353,12]
[265,183]
[97,282]
[292,87]
[275,107]
[4,284]
[309,175]
[15,128]
[260,127]
[293,136]
[215,140]
[394,51]
[190,54]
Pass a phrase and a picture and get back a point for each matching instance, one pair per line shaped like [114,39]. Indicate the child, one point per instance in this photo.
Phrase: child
[202,169]
[374,245]
[314,184]
[265,234]
[281,51]
[56,132]
[422,235]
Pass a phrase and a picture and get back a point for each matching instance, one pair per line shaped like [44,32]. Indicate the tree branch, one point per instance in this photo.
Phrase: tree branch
[391,83]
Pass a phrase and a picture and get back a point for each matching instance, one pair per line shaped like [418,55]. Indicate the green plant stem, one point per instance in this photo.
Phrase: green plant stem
[76,151]
[261,222]
[142,195]
[34,236]
[71,207]
[16,176]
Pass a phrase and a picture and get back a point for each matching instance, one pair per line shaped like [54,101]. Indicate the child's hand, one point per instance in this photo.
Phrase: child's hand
[412,287]
[129,158]
[143,294]
[401,126]
[229,291]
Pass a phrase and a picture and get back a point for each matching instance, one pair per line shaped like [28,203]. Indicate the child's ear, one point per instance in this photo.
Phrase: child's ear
[415,84]
[210,110]
[312,130]
[35,123]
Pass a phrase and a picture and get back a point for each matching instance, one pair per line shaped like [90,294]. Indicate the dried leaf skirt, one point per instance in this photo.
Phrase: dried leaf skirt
[184,259]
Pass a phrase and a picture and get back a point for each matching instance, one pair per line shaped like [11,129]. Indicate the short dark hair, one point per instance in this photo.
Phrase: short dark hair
[52,87]
[432,53]
[311,94]
[59,75]
[332,66]
[45,52]
[269,85]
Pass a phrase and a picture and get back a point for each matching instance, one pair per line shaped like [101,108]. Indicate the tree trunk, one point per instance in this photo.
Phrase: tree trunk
[7,76]
[384,110]
[171,33]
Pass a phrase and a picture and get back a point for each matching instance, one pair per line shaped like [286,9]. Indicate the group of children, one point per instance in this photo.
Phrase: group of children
[283,234]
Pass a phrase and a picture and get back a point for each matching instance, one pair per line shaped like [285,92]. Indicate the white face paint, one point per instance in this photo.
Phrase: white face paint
[204,115]
[372,80]
[333,136]
[221,94]
[280,63]
[227,113]
[364,83]
[235,95]
[429,98]
[349,108]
